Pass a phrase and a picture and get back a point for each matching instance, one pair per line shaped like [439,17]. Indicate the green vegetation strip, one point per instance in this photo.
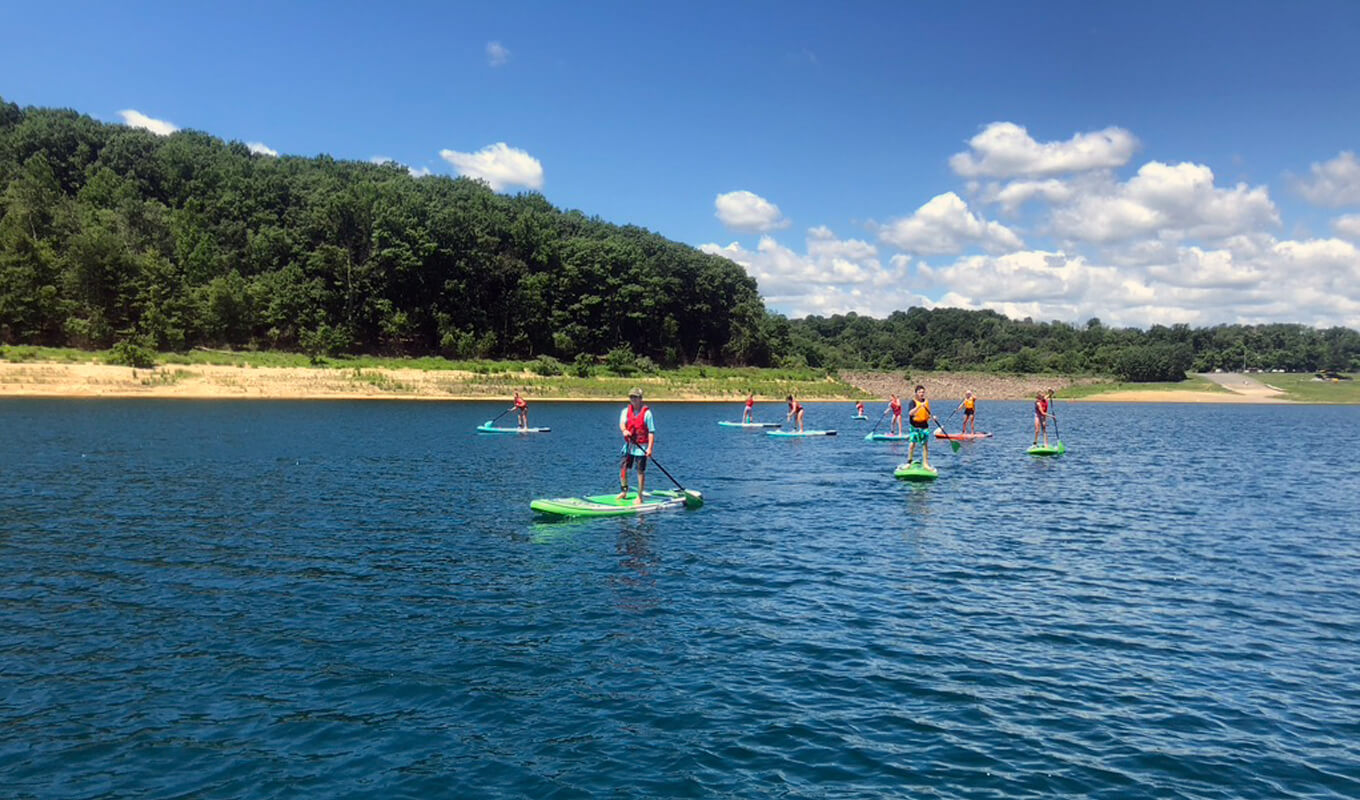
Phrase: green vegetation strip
[1192,384]
[1307,388]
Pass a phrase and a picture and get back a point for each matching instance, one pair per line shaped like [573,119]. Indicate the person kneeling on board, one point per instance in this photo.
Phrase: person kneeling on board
[639,437]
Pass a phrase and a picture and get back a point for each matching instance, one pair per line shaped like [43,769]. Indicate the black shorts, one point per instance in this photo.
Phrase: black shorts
[629,458]
[968,412]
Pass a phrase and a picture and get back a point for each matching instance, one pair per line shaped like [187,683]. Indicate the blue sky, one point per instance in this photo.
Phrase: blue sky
[1148,162]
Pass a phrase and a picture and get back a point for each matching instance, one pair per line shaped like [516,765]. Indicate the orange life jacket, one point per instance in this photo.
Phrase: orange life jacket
[968,403]
[920,410]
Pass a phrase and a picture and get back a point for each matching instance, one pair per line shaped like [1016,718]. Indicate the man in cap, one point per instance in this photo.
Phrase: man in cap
[639,436]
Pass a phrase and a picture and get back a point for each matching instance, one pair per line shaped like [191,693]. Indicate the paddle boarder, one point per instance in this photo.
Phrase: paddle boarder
[639,436]
[918,414]
[895,405]
[522,409]
[1041,415]
[795,412]
[749,415]
[859,408]
[969,406]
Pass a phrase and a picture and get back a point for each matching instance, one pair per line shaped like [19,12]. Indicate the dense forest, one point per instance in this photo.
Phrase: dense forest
[114,236]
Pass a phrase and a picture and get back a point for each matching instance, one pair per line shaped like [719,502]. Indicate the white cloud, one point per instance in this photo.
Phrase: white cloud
[497,54]
[1016,193]
[1334,183]
[137,119]
[1348,226]
[944,225]
[419,172]
[1170,201]
[833,276]
[499,165]
[748,212]
[261,149]
[416,172]
[1006,150]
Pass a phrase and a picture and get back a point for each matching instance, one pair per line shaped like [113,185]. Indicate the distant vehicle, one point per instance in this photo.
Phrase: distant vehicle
[1331,375]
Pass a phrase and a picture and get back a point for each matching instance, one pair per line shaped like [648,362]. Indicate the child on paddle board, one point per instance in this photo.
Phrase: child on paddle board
[1041,414]
[969,406]
[895,405]
[749,415]
[859,408]
[639,437]
[795,412]
[522,409]
[918,414]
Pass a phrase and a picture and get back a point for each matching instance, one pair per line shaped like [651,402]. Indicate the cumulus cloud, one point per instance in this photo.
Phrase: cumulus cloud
[944,225]
[1333,183]
[1175,201]
[748,212]
[833,275]
[1006,150]
[1348,226]
[261,149]
[499,165]
[1015,194]
[497,54]
[137,119]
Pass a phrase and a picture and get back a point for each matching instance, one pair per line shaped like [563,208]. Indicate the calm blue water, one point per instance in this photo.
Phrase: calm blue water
[258,599]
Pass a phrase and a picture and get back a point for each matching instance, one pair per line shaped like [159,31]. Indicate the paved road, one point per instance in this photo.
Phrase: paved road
[1241,383]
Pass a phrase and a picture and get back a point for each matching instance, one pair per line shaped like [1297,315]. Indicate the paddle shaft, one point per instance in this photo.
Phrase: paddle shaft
[1057,435]
[665,472]
[503,413]
[880,421]
[953,443]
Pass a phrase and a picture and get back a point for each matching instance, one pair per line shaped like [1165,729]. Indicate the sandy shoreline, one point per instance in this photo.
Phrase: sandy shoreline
[213,382]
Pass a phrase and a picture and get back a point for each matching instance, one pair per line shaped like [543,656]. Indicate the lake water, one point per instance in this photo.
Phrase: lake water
[352,599]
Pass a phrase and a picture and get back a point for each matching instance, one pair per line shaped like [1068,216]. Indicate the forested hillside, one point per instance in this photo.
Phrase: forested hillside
[110,234]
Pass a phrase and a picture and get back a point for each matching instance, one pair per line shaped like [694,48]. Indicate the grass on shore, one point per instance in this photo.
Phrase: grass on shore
[1304,387]
[1192,384]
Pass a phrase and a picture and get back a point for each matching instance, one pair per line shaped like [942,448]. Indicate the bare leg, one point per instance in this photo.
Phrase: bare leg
[623,480]
[642,483]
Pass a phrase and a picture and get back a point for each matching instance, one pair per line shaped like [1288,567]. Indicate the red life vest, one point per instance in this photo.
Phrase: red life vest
[1041,407]
[750,402]
[637,427]
[521,403]
[896,406]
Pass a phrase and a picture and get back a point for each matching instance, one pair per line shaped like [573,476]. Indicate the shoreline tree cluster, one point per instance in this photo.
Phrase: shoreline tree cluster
[114,236]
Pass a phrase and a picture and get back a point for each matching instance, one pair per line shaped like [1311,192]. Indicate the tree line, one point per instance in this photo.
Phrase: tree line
[114,236]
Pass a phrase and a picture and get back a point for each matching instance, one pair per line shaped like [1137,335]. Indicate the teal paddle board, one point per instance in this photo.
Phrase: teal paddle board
[914,471]
[609,505]
[859,416]
[887,437]
[795,434]
[487,427]
[1042,450]
[727,424]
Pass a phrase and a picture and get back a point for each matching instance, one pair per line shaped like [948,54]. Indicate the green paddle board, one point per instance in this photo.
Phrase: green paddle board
[609,505]
[1042,450]
[914,471]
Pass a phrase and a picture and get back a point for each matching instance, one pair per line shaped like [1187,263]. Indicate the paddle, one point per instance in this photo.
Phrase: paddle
[880,422]
[692,499]
[953,443]
[498,416]
[1055,418]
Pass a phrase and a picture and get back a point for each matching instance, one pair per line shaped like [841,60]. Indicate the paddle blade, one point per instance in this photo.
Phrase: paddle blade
[954,445]
[693,499]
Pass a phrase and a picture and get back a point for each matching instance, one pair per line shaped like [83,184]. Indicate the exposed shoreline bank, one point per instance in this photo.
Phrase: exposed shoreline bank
[217,382]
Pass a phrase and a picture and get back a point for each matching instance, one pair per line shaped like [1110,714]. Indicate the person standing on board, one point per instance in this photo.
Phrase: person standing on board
[918,413]
[639,437]
[969,406]
[795,413]
[859,408]
[1040,416]
[895,405]
[749,415]
[522,409]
